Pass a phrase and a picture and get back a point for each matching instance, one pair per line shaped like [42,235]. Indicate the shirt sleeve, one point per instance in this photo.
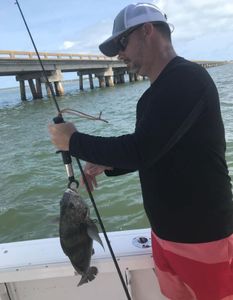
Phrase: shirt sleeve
[117,172]
[160,113]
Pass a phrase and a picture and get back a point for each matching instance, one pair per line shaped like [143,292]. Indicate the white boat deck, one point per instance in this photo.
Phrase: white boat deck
[38,269]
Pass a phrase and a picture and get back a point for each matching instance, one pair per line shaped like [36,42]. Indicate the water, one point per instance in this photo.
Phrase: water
[32,177]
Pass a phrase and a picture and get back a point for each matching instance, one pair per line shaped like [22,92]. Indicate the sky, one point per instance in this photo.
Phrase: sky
[203,28]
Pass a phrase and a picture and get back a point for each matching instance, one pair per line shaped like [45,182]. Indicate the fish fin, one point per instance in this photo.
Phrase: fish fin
[93,233]
[89,276]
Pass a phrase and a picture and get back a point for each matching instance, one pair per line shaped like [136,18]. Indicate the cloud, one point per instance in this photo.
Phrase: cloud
[88,39]
[208,47]
[201,26]
[194,18]
[203,29]
[67,45]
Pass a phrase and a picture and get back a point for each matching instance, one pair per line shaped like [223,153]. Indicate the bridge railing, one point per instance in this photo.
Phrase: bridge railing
[10,54]
[28,55]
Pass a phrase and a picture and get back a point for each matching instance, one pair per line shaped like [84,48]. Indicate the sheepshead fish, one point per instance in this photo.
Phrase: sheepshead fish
[77,232]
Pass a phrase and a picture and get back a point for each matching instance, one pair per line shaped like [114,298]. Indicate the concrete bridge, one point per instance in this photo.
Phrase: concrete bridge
[25,66]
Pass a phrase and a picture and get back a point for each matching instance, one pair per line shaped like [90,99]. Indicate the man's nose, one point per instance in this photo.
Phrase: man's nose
[120,55]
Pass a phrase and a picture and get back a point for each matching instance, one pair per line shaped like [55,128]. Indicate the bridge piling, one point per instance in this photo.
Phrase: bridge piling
[59,88]
[116,79]
[104,76]
[131,77]
[81,82]
[22,90]
[119,76]
[39,88]
[101,81]
[32,88]
[136,77]
[48,89]
[54,77]
[91,81]
[109,81]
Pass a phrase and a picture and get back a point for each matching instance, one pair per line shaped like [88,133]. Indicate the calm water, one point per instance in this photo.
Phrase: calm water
[32,177]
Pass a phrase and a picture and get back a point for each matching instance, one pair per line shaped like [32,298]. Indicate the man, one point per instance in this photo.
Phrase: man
[178,147]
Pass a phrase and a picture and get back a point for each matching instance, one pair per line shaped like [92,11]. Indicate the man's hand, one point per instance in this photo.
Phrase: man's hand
[61,134]
[91,171]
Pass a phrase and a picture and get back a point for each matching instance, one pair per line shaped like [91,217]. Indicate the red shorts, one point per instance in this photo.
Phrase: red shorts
[194,271]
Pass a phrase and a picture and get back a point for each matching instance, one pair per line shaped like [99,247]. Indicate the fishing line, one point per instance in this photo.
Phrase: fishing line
[67,158]
[40,61]
[7,290]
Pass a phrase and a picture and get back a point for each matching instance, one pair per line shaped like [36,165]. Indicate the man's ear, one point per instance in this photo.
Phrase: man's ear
[148,29]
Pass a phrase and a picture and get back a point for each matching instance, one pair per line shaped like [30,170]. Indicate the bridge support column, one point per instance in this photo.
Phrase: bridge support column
[39,88]
[48,89]
[56,78]
[136,77]
[91,81]
[59,88]
[109,81]
[122,78]
[81,82]
[104,76]
[115,79]
[119,76]
[131,77]
[101,81]
[36,90]
[32,88]
[22,90]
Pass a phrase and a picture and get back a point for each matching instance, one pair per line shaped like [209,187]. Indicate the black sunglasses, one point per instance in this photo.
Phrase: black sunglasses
[124,39]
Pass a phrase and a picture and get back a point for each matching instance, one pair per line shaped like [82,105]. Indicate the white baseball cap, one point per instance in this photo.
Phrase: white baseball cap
[128,18]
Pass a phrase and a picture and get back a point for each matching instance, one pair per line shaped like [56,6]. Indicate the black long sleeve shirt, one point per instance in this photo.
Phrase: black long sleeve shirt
[186,189]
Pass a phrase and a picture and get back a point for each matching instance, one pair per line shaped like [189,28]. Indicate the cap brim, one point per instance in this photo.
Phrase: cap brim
[109,47]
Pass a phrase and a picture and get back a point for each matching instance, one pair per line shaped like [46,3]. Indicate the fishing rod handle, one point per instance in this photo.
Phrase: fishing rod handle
[66,157]
[65,154]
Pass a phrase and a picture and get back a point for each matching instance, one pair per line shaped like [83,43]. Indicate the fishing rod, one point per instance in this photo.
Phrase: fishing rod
[67,158]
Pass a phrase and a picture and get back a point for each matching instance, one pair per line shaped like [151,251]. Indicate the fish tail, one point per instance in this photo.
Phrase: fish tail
[89,276]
